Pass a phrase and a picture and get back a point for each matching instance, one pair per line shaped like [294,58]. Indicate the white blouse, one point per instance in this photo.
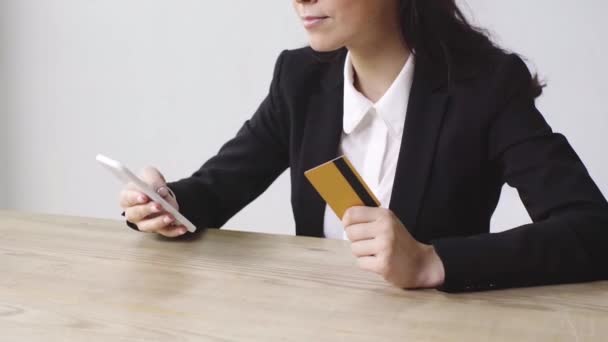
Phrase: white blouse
[371,139]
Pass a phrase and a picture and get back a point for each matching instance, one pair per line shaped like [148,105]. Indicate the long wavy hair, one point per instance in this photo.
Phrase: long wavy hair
[437,30]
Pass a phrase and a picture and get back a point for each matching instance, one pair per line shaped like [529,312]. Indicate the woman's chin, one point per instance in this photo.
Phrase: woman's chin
[324,46]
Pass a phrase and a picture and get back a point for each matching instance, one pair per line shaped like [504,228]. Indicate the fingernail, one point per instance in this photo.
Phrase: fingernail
[155,208]
[141,199]
[168,219]
[163,191]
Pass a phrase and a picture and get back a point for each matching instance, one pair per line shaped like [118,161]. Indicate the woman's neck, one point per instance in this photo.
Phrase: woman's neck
[376,66]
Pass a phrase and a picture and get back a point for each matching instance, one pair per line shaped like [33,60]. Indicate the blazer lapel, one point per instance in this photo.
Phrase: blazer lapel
[320,144]
[427,106]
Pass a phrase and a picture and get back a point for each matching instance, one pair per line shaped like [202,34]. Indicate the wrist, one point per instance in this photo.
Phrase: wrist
[167,193]
[432,271]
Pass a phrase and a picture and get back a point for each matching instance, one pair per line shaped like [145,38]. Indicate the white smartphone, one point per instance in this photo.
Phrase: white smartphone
[126,176]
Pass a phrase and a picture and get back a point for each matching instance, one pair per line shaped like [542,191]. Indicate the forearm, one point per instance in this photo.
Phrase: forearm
[566,248]
[196,202]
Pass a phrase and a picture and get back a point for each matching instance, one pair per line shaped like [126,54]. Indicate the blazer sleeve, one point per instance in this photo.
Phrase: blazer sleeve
[568,239]
[243,168]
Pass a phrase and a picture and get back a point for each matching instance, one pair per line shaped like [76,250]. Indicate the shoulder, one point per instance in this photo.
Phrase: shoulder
[500,72]
[509,68]
[308,68]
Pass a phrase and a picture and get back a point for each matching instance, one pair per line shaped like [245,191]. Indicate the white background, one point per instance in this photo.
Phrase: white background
[167,82]
[3,107]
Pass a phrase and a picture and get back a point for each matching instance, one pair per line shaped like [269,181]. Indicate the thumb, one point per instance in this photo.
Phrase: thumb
[152,177]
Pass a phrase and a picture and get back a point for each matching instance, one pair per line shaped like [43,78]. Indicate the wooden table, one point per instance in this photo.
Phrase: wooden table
[80,279]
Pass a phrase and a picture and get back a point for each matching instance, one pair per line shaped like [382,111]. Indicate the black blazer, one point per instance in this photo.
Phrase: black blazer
[463,139]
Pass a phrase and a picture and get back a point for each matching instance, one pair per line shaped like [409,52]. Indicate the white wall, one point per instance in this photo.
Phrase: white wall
[162,82]
[3,108]
[166,82]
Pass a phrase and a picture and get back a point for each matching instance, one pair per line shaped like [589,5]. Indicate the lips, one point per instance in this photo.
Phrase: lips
[312,21]
[313,17]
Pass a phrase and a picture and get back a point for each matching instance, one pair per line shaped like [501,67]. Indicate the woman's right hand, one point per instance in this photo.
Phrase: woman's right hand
[149,216]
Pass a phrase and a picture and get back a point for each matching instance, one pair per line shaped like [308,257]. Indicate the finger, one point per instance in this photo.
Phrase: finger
[154,225]
[140,212]
[368,263]
[129,198]
[356,215]
[163,191]
[172,231]
[131,186]
[364,248]
[152,177]
[360,231]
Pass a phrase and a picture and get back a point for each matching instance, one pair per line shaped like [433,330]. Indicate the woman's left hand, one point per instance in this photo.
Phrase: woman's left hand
[384,246]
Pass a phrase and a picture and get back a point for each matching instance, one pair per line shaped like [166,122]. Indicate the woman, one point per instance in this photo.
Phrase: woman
[437,119]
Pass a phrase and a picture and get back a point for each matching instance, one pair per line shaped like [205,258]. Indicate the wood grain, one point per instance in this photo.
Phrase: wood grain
[81,279]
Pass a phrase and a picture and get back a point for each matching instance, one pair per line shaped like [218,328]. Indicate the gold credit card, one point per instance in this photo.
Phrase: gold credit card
[341,186]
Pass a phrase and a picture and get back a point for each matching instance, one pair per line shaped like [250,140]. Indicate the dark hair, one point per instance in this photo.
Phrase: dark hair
[437,30]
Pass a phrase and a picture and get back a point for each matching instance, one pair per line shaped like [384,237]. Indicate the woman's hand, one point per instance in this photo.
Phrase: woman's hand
[149,216]
[384,246]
